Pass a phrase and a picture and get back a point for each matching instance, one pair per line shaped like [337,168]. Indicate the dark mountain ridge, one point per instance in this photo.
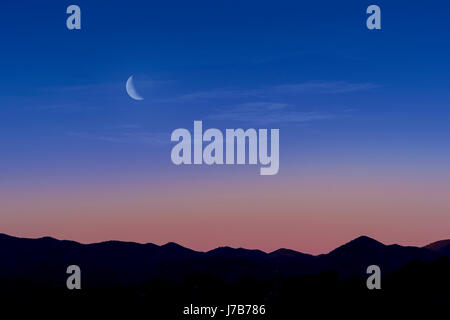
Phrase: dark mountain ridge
[116,262]
[441,247]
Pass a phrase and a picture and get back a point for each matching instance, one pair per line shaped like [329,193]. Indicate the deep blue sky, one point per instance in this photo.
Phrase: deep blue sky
[341,94]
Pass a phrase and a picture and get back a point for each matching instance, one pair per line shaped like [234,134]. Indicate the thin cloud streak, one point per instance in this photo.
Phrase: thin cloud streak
[310,87]
[324,87]
[263,112]
[128,136]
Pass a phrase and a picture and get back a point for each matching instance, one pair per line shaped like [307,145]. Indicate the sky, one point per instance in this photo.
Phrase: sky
[363,118]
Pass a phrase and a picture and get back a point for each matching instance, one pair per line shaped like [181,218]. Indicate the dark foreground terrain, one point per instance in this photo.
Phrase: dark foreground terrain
[131,281]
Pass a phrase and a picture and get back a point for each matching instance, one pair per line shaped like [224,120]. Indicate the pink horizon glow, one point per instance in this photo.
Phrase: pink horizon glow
[304,214]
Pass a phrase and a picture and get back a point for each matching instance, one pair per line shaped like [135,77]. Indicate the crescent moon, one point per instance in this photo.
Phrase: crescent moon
[131,90]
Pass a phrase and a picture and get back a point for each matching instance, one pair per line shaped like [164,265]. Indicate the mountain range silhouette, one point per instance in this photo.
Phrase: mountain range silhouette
[130,280]
[44,260]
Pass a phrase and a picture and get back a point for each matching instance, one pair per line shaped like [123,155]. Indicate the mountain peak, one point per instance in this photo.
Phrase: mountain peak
[175,248]
[236,252]
[359,244]
[172,245]
[284,253]
[47,238]
[364,241]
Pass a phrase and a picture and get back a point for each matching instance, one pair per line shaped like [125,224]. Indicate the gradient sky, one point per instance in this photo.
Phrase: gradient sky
[363,118]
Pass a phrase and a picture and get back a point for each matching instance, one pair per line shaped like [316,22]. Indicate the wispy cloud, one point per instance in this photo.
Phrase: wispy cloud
[263,112]
[219,93]
[310,87]
[126,134]
[323,87]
